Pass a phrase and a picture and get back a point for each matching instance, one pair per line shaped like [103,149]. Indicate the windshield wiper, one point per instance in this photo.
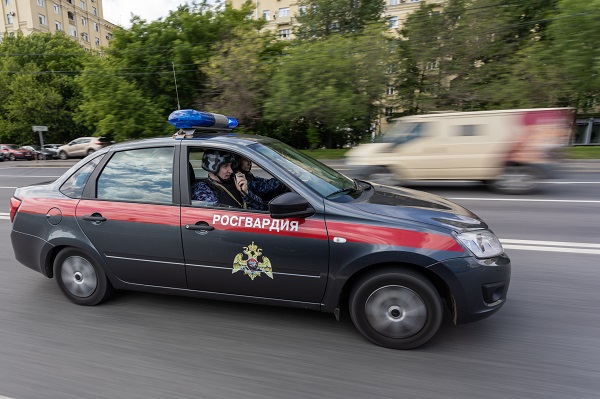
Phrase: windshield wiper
[348,190]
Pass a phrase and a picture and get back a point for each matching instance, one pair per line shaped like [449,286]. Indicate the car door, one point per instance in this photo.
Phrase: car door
[242,252]
[131,218]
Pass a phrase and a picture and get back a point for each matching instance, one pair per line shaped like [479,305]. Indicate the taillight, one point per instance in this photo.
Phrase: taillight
[15,203]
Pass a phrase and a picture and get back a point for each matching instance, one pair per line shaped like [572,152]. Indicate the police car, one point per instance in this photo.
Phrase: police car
[125,218]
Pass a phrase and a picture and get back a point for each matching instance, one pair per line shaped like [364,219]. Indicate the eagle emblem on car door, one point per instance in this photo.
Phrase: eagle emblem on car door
[252,262]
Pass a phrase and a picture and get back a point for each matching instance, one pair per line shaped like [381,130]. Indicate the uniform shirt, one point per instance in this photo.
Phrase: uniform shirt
[261,186]
[203,191]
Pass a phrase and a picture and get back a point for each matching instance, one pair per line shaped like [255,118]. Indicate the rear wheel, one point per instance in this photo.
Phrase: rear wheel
[396,309]
[80,278]
[516,180]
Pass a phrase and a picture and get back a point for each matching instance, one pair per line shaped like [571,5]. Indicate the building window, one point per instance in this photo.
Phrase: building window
[302,10]
[394,2]
[96,27]
[71,16]
[389,111]
[9,18]
[7,2]
[266,15]
[70,1]
[82,4]
[73,31]
[414,1]
[56,9]
[431,65]
[58,25]
[40,3]
[97,41]
[85,37]
[390,91]
[284,12]
[84,21]
[42,19]
[284,33]
[94,11]
[393,22]
[109,36]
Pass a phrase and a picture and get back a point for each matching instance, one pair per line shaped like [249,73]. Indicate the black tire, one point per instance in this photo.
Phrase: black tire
[382,175]
[63,155]
[80,278]
[12,157]
[90,151]
[516,180]
[397,309]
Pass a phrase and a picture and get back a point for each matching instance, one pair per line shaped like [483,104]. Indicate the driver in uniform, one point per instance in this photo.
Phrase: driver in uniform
[223,187]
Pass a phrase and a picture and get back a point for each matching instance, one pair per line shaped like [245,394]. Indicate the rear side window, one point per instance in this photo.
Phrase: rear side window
[74,185]
[142,175]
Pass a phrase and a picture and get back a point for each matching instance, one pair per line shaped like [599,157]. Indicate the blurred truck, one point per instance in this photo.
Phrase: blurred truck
[510,150]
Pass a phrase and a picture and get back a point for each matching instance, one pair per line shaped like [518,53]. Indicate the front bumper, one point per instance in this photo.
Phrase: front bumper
[478,287]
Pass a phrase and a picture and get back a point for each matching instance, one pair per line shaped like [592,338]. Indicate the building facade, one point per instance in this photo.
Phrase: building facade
[281,15]
[81,20]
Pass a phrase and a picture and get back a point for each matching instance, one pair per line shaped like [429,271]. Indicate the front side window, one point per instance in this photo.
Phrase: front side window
[141,175]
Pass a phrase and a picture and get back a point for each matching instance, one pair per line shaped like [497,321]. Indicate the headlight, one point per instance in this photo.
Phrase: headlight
[482,243]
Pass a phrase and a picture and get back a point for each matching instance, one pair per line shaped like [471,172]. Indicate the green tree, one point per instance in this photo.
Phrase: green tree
[321,18]
[238,73]
[116,108]
[332,84]
[37,87]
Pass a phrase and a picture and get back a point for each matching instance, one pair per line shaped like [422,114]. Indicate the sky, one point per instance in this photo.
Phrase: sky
[119,11]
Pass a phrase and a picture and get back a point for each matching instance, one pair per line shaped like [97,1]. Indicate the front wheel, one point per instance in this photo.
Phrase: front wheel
[12,157]
[62,155]
[382,175]
[396,309]
[80,278]
[90,151]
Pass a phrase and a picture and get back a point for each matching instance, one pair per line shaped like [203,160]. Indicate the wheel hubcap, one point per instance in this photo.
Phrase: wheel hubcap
[396,311]
[79,276]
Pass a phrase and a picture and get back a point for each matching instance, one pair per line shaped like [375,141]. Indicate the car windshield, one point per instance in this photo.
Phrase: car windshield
[316,175]
[402,132]
[13,147]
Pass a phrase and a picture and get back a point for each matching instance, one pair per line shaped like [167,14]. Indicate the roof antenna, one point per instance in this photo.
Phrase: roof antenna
[176,91]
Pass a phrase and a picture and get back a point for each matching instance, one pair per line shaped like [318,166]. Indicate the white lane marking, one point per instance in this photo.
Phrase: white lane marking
[524,200]
[4,215]
[34,176]
[551,243]
[552,246]
[570,182]
[9,187]
[553,249]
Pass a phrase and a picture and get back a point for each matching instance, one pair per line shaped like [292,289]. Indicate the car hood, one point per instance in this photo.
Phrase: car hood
[410,204]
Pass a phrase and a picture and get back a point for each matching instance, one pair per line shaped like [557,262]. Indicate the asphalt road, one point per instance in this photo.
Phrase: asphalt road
[544,343]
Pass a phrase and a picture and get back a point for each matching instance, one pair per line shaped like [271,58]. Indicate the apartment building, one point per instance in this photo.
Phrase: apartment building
[281,14]
[81,20]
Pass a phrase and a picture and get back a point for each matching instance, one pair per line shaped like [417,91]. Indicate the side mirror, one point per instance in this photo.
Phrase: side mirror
[290,205]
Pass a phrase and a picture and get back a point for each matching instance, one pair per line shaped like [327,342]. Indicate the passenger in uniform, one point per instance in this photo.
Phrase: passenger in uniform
[266,189]
[222,187]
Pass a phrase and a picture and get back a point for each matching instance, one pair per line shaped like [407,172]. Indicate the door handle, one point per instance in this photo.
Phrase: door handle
[94,217]
[202,226]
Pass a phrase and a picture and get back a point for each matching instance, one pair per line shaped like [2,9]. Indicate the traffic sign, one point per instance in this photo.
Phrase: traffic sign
[40,128]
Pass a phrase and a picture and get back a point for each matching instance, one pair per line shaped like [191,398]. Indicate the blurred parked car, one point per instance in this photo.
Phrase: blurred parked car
[14,152]
[82,147]
[1,156]
[53,148]
[39,152]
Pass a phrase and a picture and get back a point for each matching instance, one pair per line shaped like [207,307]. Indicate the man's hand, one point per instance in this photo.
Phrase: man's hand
[241,183]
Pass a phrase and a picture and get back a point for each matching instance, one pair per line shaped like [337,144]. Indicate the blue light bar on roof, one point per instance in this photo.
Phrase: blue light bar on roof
[190,118]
